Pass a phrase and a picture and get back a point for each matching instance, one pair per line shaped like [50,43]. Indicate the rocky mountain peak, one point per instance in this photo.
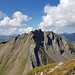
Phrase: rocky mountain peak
[28,51]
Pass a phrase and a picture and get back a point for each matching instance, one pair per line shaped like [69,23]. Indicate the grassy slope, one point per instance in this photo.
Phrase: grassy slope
[43,69]
[68,68]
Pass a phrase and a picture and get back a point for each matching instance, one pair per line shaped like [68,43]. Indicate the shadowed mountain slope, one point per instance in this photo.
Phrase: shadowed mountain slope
[23,53]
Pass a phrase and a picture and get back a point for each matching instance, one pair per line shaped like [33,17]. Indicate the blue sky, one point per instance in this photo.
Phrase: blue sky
[22,16]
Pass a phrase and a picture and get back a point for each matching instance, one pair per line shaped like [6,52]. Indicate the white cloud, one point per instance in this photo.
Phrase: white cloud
[25,30]
[17,19]
[8,31]
[2,14]
[11,31]
[58,16]
[7,24]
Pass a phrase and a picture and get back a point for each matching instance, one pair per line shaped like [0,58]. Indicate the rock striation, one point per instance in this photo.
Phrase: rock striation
[25,52]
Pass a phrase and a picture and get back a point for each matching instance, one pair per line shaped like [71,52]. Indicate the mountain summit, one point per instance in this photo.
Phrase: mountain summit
[23,53]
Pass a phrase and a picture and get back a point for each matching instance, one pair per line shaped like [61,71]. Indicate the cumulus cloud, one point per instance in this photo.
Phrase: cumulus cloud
[16,20]
[11,31]
[9,25]
[62,15]
[25,30]
[8,31]
[2,14]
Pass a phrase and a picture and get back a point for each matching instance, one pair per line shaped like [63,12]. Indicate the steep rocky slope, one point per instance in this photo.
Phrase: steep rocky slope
[23,53]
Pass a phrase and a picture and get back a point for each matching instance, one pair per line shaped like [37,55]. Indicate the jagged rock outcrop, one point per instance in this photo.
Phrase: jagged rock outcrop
[28,51]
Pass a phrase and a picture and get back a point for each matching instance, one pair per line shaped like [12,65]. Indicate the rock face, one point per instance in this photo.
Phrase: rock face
[28,51]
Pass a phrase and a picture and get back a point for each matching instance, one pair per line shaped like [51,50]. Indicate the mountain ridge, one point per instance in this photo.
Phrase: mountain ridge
[25,52]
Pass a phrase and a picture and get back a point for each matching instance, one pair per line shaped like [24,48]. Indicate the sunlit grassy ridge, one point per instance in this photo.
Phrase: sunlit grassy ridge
[43,69]
[68,68]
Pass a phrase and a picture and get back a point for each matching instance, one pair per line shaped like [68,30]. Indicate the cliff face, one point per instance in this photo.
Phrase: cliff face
[28,51]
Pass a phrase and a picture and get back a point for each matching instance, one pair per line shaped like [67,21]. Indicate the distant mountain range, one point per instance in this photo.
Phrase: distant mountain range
[5,38]
[69,37]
